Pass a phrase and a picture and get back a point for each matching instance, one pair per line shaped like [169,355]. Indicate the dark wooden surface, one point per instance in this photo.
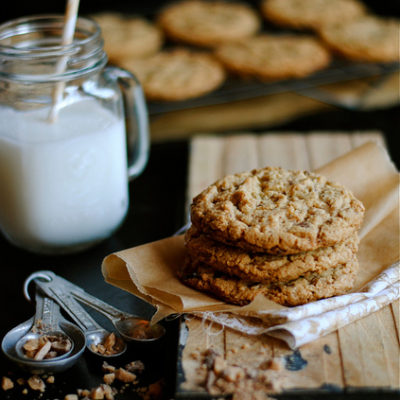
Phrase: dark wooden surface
[156,211]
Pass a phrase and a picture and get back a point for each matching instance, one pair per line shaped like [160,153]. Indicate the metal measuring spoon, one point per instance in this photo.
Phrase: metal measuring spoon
[14,339]
[95,334]
[45,325]
[130,327]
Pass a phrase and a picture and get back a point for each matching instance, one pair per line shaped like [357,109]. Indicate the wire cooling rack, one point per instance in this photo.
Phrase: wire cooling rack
[235,89]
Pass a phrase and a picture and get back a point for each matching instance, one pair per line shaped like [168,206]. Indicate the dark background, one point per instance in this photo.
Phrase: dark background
[148,7]
[157,204]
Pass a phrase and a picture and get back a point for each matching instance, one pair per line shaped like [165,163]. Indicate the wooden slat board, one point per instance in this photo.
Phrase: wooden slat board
[364,354]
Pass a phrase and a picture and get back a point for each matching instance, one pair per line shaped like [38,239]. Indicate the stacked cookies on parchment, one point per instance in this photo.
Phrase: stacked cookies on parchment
[290,235]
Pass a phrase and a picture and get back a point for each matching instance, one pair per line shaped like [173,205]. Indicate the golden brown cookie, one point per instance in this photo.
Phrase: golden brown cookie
[208,23]
[277,211]
[262,267]
[177,75]
[270,57]
[365,39]
[309,287]
[311,13]
[128,37]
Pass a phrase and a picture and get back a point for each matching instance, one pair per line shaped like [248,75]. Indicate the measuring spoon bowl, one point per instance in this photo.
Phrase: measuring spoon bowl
[135,329]
[130,327]
[55,365]
[95,339]
[32,336]
[45,325]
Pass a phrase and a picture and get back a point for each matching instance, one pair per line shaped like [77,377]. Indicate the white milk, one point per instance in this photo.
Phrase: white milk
[62,184]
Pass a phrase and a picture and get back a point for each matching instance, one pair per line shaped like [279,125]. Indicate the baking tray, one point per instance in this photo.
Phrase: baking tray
[235,89]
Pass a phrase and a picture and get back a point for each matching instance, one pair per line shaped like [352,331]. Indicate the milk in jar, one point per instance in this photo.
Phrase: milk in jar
[64,180]
[62,183]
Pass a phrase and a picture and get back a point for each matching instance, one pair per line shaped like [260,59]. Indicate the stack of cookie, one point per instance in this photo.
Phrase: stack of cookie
[289,235]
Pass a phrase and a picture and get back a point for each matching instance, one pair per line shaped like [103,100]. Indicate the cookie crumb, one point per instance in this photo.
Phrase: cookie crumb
[36,383]
[50,379]
[153,392]
[275,365]
[112,344]
[102,392]
[246,383]
[135,366]
[195,355]
[107,367]
[109,378]
[83,392]
[46,347]
[219,364]
[233,374]
[6,383]
[124,376]
[97,393]
[71,397]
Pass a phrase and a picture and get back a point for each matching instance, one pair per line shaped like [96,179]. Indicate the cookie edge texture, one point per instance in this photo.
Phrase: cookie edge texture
[297,292]
[260,267]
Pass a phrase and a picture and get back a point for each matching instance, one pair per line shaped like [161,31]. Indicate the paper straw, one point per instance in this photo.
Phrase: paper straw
[70,17]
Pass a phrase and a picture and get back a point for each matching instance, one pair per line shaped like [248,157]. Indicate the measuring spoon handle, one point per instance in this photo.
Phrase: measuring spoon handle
[102,307]
[47,314]
[80,294]
[70,306]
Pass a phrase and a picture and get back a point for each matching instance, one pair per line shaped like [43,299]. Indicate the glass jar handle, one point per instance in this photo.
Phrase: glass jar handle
[136,118]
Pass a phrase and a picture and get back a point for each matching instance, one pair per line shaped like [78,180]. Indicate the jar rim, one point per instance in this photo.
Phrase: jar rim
[30,24]
[87,43]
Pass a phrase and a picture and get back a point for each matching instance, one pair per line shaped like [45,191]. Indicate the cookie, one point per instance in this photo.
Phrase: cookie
[208,23]
[270,57]
[177,75]
[277,211]
[309,287]
[311,13]
[368,38]
[261,267]
[128,37]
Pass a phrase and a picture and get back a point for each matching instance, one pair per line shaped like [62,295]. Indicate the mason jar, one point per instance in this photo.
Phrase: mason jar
[73,132]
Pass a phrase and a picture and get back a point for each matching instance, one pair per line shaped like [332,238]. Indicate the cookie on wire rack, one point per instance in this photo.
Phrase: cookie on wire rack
[273,57]
[208,23]
[312,14]
[178,74]
[128,37]
[371,39]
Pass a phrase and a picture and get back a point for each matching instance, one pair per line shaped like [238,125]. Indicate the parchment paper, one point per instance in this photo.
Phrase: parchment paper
[148,271]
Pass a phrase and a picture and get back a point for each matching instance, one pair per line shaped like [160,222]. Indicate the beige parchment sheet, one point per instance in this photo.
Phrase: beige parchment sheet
[148,271]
